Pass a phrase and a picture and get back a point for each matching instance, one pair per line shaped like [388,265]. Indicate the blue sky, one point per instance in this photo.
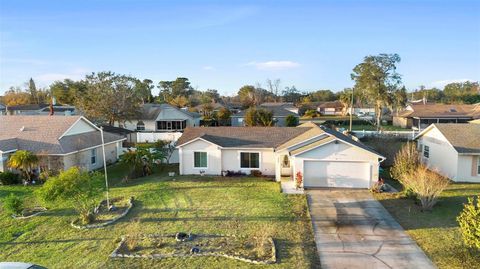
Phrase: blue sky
[226,44]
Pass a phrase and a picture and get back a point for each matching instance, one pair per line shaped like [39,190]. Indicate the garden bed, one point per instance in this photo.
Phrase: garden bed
[106,217]
[30,212]
[158,246]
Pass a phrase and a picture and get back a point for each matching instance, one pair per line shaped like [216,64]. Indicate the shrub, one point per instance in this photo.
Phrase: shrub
[406,160]
[311,113]
[9,178]
[469,222]
[256,173]
[79,188]
[291,121]
[13,205]
[298,179]
[426,184]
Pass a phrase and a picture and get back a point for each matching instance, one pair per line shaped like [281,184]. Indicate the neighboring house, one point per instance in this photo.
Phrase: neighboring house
[215,107]
[331,108]
[452,149]
[60,142]
[324,157]
[279,116]
[286,105]
[162,118]
[40,109]
[420,115]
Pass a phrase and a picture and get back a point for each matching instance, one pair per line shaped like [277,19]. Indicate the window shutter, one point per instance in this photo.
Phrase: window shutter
[474,166]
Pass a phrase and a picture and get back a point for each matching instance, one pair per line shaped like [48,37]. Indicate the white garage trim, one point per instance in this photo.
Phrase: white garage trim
[359,177]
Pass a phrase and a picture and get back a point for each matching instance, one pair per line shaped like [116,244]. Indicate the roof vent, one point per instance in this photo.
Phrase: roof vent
[22,129]
[453,110]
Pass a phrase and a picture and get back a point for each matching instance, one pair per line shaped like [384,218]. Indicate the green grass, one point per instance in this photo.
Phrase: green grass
[208,205]
[436,232]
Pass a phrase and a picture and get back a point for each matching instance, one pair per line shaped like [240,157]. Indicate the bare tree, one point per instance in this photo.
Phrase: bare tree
[274,87]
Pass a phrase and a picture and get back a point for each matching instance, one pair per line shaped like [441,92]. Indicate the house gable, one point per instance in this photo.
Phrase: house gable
[335,149]
[81,126]
[171,113]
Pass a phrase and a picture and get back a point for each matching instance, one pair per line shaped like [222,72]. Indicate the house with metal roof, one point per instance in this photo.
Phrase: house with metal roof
[418,116]
[162,118]
[60,142]
[324,157]
[452,149]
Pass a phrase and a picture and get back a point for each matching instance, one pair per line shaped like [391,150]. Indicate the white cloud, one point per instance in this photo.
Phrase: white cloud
[48,78]
[442,83]
[274,65]
[207,67]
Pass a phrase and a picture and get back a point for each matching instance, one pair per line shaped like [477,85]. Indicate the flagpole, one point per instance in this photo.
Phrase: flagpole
[105,167]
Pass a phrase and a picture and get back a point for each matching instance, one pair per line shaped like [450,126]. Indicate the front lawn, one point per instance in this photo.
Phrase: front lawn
[201,205]
[436,232]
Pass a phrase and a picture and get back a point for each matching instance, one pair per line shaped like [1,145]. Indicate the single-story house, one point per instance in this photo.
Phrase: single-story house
[40,109]
[286,105]
[60,142]
[418,116]
[162,118]
[279,116]
[324,157]
[452,149]
[215,107]
[331,108]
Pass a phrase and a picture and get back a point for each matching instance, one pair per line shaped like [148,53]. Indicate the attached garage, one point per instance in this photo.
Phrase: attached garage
[336,174]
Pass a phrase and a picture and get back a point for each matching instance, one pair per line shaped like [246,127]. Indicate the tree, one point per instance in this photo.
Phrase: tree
[144,88]
[264,117]
[291,94]
[247,95]
[251,117]
[469,222]
[321,96]
[80,188]
[109,97]
[459,92]
[16,96]
[224,116]
[164,149]
[274,88]
[25,161]
[33,92]
[141,160]
[67,90]
[376,78]
[291,121]
[345,97]
[399,99]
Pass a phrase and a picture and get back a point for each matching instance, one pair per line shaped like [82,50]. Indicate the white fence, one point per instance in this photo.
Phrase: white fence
[143,137]
[410,135]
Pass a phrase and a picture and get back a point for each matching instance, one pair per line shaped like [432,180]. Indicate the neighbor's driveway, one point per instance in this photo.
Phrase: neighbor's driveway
[353,230]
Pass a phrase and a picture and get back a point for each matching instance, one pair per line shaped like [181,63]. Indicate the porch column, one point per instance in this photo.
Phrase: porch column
[278,169]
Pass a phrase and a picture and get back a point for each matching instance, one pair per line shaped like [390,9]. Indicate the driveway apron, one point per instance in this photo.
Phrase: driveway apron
[354,231]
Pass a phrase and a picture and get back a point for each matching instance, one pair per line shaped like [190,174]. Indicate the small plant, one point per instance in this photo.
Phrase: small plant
[469,222]
[261,237]
[256,173]
[298,180]
[13,205]
[427,185]
[132,240]
[9,178]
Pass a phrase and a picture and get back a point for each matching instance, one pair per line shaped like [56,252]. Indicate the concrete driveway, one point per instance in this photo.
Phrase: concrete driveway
[354,231]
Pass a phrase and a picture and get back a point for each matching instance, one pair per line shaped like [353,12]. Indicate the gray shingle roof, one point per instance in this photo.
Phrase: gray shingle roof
[40,134]
[464,137]
[242,137]
[441,111]
[151,111]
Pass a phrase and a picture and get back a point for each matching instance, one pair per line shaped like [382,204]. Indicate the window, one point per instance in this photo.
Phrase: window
[200,160]
[478,165]
[426,151]
[140,126]
[249,160]
[170,125]
[93,158]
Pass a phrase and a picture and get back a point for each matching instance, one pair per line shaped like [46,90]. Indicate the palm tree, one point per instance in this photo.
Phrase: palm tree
[24,161]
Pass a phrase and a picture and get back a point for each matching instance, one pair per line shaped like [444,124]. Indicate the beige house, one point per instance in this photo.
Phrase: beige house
[60,141]
[419,116]
[324,157]
[453,150]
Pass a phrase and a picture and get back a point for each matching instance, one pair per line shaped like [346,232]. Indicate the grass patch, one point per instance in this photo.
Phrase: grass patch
[200,205]
[436,232]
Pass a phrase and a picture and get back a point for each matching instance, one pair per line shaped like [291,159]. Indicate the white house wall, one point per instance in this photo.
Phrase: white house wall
[82,158]
[214,158]
[443,157]
[80,127]
[465,169]
[231,160]
[337,152]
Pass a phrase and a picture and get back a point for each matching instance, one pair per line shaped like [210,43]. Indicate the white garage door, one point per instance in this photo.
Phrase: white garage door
[336,174]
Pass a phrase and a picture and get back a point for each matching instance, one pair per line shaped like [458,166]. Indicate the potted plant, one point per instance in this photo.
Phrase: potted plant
[298,180]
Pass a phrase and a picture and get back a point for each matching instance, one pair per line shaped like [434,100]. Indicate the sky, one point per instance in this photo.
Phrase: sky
[224,45]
